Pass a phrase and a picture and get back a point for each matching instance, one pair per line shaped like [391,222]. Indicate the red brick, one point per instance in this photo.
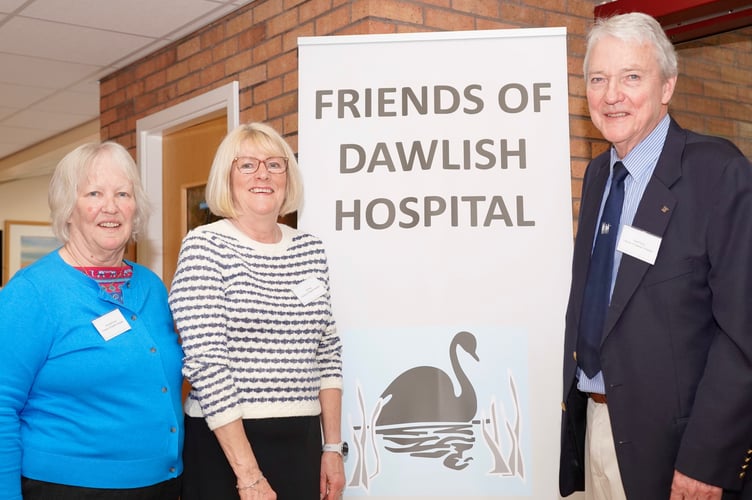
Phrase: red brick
[252,76]
[266,9]
[268,90]
[238,63]
[211,75]
[483,8]
[282,105]
[282,64]
[225,49]
[330,22]
[177,71]
[312,9]
[199,61]
[282,23]
[290,82]
[290,39]
[189,84]
[267,50]
[188,48]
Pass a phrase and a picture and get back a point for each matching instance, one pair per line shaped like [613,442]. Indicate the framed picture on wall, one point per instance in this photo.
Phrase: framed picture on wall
[195,211]
[23,243]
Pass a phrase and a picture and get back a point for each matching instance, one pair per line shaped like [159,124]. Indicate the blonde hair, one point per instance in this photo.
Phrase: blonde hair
[73,168]
[265,138]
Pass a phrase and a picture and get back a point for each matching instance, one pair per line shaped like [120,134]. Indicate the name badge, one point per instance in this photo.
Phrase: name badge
[111,325]
[309,290]
[639,244]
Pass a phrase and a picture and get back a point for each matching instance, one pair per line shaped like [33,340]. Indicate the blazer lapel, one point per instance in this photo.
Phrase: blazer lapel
[653,215]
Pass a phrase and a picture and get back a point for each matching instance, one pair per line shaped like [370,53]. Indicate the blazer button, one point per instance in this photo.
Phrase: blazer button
[563,406]
[742,474]
[574,355]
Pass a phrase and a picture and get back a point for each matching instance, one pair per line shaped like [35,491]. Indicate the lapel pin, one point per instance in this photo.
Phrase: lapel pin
[665,209]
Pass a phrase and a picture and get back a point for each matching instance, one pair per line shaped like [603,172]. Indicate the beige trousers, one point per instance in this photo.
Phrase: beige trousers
[602,478]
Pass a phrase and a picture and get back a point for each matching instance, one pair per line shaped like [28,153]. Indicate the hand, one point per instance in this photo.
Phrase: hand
[332,482]
[261,491]
[685,488]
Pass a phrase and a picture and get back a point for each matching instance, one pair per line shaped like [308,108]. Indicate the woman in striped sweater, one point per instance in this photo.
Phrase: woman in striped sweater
[250,298]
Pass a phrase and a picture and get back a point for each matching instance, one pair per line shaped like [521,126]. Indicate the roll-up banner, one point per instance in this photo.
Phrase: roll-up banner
[436,171]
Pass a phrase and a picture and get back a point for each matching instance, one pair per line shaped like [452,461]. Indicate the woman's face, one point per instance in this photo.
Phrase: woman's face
[102,218]
[260,194]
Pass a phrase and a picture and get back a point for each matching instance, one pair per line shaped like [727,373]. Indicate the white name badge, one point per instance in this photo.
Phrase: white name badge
[639,244]
[309,290]
[111,325]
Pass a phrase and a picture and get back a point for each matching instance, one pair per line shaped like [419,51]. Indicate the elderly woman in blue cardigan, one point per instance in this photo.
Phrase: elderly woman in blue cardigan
[90,377]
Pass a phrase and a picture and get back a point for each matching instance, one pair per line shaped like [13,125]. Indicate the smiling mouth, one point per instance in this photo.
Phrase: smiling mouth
[616,115]
[109,225]
[261,190]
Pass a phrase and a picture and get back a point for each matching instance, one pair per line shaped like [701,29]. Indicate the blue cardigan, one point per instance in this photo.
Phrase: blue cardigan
[75,408]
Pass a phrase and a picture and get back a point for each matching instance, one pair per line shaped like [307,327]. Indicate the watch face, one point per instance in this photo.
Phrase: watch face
[345,448]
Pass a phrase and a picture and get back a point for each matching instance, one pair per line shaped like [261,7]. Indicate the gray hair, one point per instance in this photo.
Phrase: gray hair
[73,168]
[635,27]
[262,136]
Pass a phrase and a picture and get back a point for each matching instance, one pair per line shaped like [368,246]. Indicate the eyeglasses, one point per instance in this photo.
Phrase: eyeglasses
[248,164]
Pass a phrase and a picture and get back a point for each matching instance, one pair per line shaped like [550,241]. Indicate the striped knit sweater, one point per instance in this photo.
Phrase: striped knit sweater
[253,348]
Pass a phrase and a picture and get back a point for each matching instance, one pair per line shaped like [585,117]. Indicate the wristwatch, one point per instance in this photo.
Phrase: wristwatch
[340,448]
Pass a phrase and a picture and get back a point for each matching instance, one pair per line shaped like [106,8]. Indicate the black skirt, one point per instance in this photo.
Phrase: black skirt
[42,490]
[288,451]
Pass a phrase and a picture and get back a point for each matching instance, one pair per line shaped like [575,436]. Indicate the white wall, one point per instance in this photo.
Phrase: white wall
[25,199]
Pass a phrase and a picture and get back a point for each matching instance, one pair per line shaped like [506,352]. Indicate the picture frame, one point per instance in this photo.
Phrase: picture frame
[194,211]
[24,242]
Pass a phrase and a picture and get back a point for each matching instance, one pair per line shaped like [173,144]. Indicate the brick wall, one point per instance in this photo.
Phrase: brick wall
[257,45]
[714,90]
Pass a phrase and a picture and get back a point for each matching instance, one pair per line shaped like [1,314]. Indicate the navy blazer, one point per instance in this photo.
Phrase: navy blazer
[677,341]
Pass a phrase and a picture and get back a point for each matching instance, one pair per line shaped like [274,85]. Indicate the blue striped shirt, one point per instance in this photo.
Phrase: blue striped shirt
[640,163]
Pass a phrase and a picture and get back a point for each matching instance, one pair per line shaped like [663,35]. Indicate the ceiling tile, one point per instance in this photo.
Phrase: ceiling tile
[8,6]
[53,52]
[63,42]
[142,17]
[86,104]
[44,120]
[20,96]
[24,137]
[42,72]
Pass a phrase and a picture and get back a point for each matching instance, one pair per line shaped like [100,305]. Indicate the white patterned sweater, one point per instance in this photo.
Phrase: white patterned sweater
[253,348]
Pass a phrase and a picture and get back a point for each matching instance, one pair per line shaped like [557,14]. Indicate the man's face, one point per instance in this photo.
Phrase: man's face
[626,92]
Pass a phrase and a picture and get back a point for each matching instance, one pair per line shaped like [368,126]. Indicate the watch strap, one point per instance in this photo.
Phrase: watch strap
[335,447]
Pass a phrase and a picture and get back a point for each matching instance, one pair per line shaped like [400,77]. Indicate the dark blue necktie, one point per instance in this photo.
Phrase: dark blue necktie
[598,285]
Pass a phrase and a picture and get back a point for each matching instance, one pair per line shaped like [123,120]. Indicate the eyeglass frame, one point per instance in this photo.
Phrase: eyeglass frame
[260,161]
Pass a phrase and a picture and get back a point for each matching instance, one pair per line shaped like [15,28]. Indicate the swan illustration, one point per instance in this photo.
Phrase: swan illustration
[426,393]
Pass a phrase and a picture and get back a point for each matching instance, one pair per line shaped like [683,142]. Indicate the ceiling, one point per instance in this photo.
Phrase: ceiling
[53,53]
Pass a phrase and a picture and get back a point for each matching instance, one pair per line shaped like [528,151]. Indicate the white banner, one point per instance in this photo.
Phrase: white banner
[436,170]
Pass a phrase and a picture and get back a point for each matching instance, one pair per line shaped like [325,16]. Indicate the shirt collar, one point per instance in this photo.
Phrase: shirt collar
[643,158]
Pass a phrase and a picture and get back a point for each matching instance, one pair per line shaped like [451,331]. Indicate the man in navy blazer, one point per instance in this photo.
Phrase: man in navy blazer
[669,413]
